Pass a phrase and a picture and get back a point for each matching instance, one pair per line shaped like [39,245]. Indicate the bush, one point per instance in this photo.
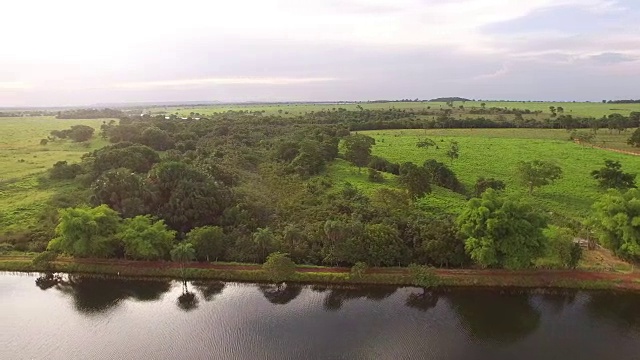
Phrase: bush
[375,176]
[63,171]
[44,142]
[5,248]
[358,270]
[279,267]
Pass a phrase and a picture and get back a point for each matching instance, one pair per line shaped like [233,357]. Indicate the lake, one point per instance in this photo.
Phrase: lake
[87,318]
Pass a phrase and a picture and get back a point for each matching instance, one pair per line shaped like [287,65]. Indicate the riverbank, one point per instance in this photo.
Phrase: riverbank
[574,279]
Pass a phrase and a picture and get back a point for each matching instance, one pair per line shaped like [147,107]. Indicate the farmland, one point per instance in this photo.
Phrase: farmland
[581,109]
[496,153]
[23,190]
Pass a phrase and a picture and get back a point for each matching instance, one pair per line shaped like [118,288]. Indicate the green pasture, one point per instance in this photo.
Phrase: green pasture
[593,109]
[23,193]
[496,153]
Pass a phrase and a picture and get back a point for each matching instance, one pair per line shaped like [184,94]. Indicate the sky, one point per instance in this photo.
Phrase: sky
[78,52]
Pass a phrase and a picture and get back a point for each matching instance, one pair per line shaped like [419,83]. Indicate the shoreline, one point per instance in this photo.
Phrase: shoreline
[557,279]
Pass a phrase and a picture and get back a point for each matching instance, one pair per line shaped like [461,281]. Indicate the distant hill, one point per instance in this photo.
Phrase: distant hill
[447,99]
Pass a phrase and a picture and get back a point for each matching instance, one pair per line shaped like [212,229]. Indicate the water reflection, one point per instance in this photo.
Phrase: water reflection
[494,316]
[188,300]
[92,295]
[423,300]
[338,295]
[280,294]
[620,308]
[209,289]
[557,300]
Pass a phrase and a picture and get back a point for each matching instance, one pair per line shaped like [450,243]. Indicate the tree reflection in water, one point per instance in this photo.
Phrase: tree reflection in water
[280,294]
[187,301]
[209,289]
[338,295]
[422,301]
[498,316]
[96,295]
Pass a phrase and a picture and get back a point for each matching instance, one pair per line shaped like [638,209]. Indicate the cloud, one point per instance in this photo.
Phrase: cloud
[188,83]
[611,58]
[14,85]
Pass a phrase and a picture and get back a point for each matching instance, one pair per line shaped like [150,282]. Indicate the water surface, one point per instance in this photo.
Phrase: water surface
[88,318]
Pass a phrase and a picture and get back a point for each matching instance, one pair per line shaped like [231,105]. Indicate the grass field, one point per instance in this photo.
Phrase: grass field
[570,108]
[496,153]
[23,161]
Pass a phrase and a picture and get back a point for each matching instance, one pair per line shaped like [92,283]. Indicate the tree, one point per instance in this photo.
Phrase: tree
[483,184]
[561,248]
[375,176]
[156,139]
[454,151]
[358,149]
[426,143]
[423,276]
[61,170]
[358,270]
[208,242]
[441,175]
[122,190]
[415,179]
[634,140]
[502,232]
[86,232]
[145,239]
[440,243]
[538,173]
[279,267]
[81,133]
[611,176]
[264,239]
[616,218]
[382,245]
[183,252]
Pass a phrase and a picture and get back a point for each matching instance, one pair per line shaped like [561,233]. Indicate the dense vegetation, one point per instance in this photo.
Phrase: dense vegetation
[241,186]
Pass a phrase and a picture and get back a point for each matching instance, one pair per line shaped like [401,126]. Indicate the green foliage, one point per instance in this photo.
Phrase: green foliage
[122,190]
[81,133]
[611,176]
[209,242]
[358,270]
[423,276]
[502,232]
[182,252]
[137,158]
[454,151]
[616,217]
[634,139]
[375,176]
[382,245]
[61,170]
[416,180]
[440,243]
[441,175]
[538,173]
[264,241]
[279,267]
[44,258]
[426,143]
[5,248]
[86,232]
[561,248]
[145,239]
[358,149]
[156,139]
[483,184]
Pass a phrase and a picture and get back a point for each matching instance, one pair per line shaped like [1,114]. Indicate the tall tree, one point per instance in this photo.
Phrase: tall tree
[145,239]
[279,267]
[616,217]
[208,242]
[611,176]
[538,173]
[358,149]
[501,232]
[454,151]
[416,180]
[86,232]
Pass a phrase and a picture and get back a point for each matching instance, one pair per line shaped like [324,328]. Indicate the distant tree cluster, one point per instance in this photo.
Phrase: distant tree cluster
[90,114]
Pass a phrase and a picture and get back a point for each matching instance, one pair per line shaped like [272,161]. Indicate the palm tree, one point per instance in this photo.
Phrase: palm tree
[182,253]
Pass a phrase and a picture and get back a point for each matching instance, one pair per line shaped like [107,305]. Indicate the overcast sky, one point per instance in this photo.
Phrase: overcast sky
[75,52]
